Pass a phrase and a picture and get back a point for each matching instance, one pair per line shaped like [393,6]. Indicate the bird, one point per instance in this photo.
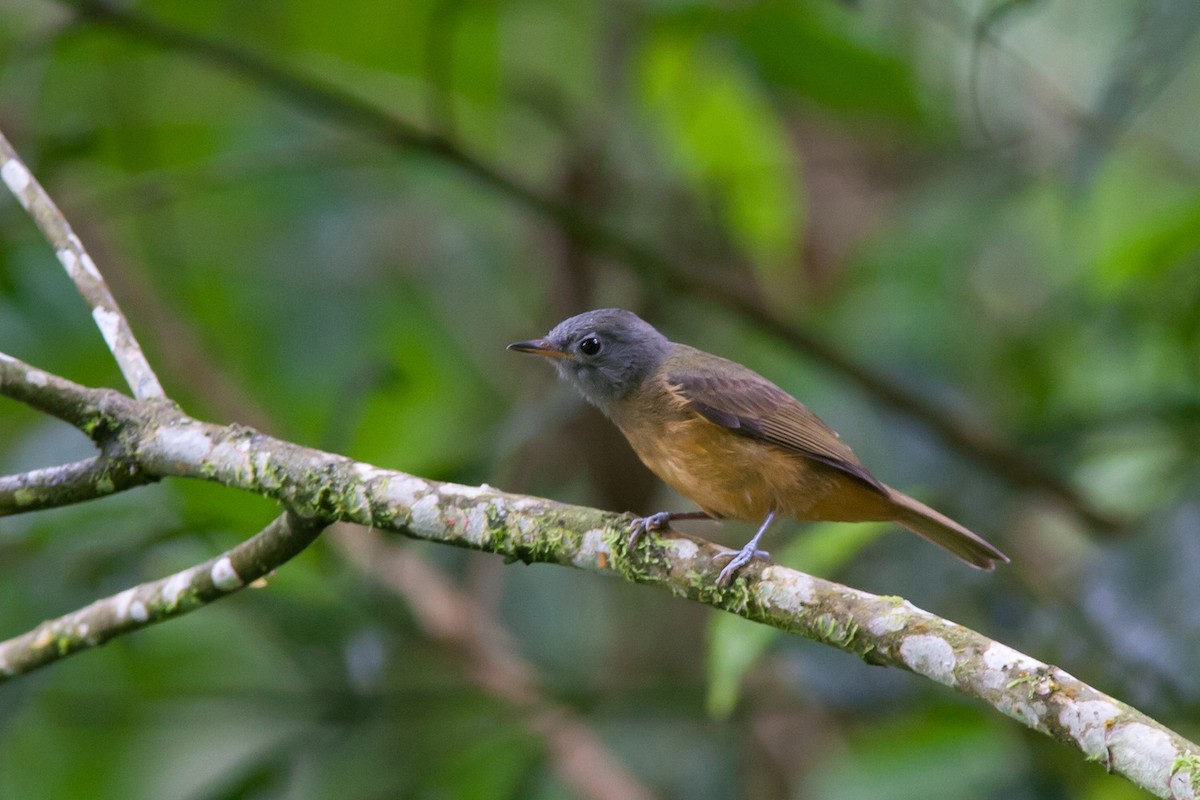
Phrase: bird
[728,439]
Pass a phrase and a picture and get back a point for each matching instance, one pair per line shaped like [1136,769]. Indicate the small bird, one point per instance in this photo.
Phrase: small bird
[728,439]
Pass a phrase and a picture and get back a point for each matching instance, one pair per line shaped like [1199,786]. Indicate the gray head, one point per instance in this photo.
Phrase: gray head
[605,353]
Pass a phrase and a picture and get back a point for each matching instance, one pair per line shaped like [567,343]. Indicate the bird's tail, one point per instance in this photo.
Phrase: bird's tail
[944,532]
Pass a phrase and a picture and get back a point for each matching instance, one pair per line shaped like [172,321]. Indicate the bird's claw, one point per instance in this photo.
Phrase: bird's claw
[738,559]
[655,522]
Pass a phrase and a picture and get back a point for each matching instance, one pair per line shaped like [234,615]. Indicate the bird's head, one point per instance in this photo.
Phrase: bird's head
[605,353]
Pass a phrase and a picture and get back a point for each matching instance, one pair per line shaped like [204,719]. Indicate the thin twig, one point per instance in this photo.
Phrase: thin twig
[83,272]
[310,93]
[76,482]
[155,601]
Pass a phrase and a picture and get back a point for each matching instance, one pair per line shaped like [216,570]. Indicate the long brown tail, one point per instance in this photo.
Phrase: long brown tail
[944,532]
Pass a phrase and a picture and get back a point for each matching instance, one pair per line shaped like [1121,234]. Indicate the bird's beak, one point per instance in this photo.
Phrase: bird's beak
[539,347]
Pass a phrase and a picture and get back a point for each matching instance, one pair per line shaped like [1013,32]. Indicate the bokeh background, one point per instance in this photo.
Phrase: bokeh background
[965,233]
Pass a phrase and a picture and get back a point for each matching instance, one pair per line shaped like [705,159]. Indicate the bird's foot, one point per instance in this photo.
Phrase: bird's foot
[738,559]
[653,523]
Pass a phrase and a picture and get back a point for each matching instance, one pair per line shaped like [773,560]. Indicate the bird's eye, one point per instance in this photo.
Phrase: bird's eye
[589,346]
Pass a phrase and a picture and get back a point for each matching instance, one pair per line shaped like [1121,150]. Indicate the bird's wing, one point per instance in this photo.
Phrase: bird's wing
[737,398]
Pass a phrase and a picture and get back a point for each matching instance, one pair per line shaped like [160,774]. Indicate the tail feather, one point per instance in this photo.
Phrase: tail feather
[944,532]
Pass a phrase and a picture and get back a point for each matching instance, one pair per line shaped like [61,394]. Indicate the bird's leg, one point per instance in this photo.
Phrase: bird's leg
[659,522]
[744,556]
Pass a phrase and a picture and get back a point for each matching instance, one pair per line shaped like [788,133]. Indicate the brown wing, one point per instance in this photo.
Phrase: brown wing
[728,394]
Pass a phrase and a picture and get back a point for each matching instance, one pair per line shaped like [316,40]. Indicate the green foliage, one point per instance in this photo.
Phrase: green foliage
[722,131]
[992,205]
[817,53]
[908,761]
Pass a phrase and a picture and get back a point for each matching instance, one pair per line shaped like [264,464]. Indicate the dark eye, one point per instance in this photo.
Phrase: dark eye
[589,346]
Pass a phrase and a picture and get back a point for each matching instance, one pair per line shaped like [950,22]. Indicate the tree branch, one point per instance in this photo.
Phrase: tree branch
[162,441]
[82,271]
[329,101]
[76,482]
[155,601]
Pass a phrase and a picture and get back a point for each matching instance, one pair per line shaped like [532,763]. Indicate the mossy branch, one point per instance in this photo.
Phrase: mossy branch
[154,440]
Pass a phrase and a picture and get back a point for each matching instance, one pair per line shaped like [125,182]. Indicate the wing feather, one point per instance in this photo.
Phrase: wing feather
[743,401]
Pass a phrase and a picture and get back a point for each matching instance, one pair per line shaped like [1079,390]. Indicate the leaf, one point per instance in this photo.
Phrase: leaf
[1150,248]
[720,129]
[813,51]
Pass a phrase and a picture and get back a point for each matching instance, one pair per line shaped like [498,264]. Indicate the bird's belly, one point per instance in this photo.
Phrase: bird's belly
[730,475]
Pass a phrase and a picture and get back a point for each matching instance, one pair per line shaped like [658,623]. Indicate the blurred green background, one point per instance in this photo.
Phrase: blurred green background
[327,220]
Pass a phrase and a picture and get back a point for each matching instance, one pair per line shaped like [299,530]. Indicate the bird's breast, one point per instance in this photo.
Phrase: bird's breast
[726,473]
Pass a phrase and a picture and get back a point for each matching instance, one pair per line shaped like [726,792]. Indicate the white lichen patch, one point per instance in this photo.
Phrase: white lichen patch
[175,587]
[367,472]
[476,529]
[458,490]
[405,490]
[76,266]
[890,621]
[16,177]
[426,515]
[122,602]
[900,615]
[70,261]
[1146,752]
[89,266]
[1088,723]
[35,377]
[224,576]
[1181,786]
[126,607]
[681,549]
[593,550]
[929,655]
[527,504]
[183,443]
[109,323]
[786,589]
[1002,665]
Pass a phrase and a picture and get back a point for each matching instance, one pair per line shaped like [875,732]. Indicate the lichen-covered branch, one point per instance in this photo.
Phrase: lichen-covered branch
[159,441]
[155,601]
[76,482]
[83,272]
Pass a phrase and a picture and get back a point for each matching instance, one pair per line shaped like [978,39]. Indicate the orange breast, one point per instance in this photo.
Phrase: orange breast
[725,473]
